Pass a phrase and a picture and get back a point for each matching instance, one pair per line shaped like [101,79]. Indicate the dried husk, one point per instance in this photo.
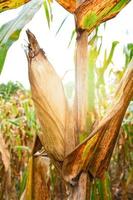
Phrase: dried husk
[38,181]
[5,155]
[49,99]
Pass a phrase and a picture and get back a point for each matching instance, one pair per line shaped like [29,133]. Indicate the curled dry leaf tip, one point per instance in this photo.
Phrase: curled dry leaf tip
[33,46]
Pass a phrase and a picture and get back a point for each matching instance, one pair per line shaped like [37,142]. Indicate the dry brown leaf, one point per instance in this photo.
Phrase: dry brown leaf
[69,5]
[4,153]
[41,178]
[105,148]
[95,152]
[38,181]
[75,162]
[91,13]
[49,99]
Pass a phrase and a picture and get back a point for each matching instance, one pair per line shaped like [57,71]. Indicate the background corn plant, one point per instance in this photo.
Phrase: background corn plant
[17,128]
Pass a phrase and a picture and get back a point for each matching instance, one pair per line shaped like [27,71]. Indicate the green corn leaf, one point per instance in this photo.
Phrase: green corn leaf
[100,189]
[108,60]
[61,25]
[72,35]
[50,9]
[128,52]
[23,182]
[10,31]
[22,148]
[47,12]
[93,194]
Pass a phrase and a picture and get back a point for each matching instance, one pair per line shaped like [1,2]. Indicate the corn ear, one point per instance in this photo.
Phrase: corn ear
[49,99]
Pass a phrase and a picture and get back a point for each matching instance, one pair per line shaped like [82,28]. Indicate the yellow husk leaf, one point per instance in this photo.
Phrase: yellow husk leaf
[6,5]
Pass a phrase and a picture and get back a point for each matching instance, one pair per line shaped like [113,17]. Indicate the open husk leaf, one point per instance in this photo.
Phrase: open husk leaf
[49,99]
[95,152]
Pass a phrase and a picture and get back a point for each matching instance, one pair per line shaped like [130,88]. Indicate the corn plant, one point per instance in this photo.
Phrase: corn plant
[63,125]
[58,145]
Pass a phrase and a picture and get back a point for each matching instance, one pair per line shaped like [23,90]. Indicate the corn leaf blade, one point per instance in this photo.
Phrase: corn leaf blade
[10,31]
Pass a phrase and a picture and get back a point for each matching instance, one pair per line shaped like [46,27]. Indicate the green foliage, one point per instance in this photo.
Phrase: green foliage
[10,31]
[6,90]
[63,21]
[90,20]
[101,189]
[71,38]
[128,52]
[119,6]
[23,182]
[48,11]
